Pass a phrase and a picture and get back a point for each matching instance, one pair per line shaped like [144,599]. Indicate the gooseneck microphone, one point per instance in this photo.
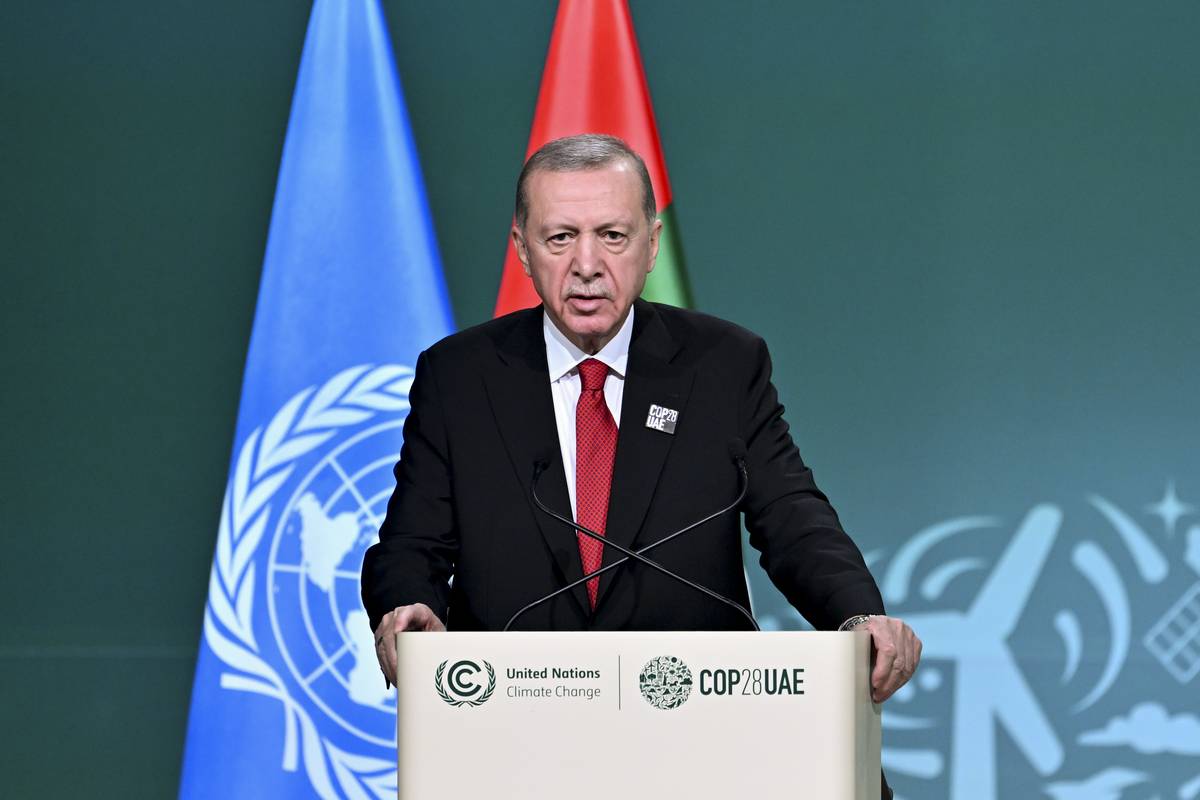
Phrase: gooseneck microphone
[737,452]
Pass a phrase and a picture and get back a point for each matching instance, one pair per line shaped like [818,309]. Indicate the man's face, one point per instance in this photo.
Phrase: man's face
[588,247]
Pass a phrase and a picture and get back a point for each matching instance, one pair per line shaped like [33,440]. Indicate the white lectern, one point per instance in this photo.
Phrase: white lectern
[699,715]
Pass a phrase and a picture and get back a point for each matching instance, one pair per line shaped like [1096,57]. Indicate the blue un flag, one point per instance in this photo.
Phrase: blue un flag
[288,700]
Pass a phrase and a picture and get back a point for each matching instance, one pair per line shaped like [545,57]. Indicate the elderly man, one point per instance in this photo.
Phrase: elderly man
[624,414]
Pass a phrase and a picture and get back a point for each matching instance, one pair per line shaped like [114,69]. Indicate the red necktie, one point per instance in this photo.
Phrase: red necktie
[595,448]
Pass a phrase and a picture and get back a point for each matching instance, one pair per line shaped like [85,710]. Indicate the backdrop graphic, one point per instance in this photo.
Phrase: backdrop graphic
[1062,645]
[288,699]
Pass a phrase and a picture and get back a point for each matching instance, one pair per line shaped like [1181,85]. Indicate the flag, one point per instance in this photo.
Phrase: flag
[594,83]
[288,700]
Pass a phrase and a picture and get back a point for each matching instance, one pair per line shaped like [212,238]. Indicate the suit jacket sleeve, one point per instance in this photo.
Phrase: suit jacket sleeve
[418,542]
[803,547]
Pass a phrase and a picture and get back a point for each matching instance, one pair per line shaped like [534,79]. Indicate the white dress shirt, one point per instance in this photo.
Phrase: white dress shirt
[563,359]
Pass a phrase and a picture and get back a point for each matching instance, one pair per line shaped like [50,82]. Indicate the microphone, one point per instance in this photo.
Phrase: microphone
[737,452]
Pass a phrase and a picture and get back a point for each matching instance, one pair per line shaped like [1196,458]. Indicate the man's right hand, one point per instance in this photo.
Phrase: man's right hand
[417,617]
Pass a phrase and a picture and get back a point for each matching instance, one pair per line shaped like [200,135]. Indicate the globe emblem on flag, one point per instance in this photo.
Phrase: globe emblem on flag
[308,489]
[331,517]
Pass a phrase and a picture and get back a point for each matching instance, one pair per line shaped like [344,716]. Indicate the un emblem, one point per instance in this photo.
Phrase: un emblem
[462,684]
[314,564]
[666,682]
[305,498]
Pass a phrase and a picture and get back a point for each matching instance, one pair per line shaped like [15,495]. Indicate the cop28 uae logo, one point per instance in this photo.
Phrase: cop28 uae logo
[666,682]
[462,684]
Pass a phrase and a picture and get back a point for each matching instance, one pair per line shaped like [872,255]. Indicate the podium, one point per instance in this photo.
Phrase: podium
[637,715]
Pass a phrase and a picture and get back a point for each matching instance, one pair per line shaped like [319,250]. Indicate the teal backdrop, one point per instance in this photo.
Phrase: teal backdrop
[968,231]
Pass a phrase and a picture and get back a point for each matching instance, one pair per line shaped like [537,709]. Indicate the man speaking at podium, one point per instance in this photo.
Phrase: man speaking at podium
[632,419]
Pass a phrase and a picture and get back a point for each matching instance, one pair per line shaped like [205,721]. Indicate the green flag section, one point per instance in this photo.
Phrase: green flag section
[668,282]
[593,82]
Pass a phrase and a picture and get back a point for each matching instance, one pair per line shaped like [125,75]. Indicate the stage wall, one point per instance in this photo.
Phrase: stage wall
[967,230]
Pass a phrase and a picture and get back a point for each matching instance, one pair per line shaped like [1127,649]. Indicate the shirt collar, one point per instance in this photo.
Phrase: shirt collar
[562,356]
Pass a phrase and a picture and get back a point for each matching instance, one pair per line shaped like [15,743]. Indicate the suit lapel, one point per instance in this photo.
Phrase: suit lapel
[518,387]
[641,452]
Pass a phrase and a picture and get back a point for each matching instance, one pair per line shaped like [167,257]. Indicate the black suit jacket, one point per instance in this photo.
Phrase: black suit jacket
[481,417]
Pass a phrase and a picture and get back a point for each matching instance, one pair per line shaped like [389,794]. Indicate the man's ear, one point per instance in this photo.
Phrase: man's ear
[655,236]
[518,239]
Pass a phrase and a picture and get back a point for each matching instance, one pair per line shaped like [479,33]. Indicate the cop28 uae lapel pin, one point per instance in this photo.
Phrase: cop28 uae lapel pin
[662,418]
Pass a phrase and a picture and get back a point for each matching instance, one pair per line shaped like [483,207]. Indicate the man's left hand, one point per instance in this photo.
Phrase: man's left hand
[897,653]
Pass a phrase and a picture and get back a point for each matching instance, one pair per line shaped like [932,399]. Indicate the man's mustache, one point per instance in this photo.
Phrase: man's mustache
[590,290]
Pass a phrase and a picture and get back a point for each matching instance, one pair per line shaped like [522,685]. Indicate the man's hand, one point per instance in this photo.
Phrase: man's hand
[417,617]
[897,653]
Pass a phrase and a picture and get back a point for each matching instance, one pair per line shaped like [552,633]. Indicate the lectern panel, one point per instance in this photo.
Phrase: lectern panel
[636,715]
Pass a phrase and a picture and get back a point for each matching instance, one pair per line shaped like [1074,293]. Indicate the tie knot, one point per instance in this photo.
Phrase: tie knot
[592,373]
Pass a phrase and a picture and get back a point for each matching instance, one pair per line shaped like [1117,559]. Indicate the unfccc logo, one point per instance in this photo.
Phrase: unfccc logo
[463,684]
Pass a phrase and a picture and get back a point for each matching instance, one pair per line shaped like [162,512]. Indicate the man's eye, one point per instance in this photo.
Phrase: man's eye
[613,236]
[559,238]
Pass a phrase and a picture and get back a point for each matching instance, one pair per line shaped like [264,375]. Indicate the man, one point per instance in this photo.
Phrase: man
[560,398]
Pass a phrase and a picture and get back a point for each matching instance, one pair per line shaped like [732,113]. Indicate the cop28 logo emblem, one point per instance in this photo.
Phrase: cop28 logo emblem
[666,682]
[462,684]
[304,501]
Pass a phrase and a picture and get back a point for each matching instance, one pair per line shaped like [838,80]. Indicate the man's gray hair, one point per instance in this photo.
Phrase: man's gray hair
[583,152]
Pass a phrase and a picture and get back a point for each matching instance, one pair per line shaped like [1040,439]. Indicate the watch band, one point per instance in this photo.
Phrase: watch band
[855,621]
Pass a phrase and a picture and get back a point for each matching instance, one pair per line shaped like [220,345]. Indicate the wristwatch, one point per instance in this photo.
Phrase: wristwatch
[854,622]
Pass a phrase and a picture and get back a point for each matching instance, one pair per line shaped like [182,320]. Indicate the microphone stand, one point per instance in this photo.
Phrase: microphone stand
[636,555]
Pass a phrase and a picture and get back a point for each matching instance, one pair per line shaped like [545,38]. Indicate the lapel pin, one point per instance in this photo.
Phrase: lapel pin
[662,419]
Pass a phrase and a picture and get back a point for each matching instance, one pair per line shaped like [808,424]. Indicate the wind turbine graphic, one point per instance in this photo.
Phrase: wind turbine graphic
[990,690]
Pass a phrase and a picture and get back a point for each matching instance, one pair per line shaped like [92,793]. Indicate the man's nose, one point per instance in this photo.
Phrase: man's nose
[589,257]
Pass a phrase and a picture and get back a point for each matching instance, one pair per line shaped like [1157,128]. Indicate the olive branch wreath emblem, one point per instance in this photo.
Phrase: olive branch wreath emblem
[264,463]
[462,701]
